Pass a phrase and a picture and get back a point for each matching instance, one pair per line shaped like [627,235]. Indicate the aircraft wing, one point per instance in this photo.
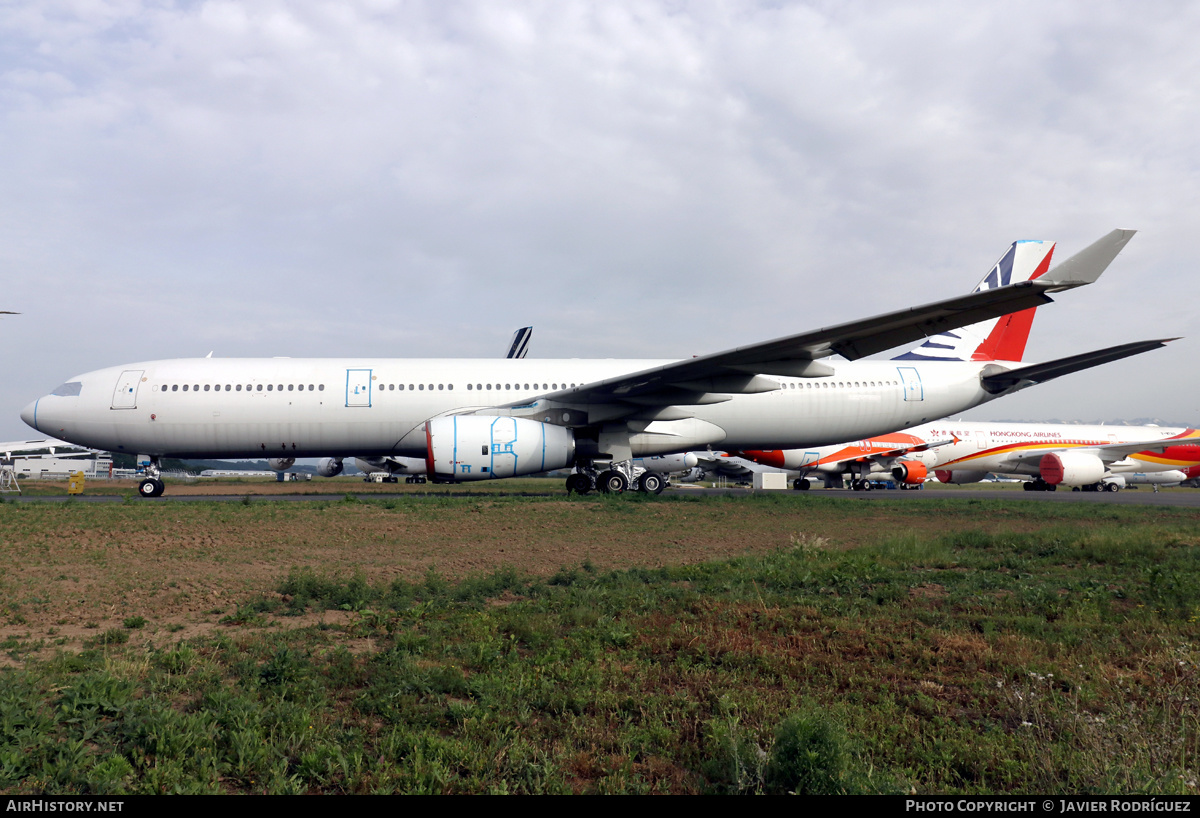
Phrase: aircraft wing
[1040,373]
[53,445]
[853,455]
[713,378]
[901,451]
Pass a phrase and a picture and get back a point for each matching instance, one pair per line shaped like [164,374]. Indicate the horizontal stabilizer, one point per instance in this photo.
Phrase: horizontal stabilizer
[1040,373]
[1086,266]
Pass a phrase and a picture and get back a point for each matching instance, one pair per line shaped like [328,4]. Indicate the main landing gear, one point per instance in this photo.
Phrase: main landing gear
[152,486]
[1109,487]
[615,481]
[1040,485]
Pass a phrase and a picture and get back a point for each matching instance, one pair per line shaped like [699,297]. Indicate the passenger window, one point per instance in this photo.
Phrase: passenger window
[185,386]
[421,387]
[175,388]
[239,387]
[321,388]
[468,387]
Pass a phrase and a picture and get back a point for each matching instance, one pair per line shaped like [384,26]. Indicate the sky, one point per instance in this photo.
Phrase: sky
[640,179]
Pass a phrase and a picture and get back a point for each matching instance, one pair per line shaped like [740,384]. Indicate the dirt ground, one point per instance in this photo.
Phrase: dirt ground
[73,571]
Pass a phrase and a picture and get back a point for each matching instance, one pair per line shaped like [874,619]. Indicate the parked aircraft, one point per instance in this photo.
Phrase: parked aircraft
[482,419]
[1089,457]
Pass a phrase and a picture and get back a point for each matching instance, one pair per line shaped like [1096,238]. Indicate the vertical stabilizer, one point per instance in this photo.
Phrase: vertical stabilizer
[998,339]
[519,347]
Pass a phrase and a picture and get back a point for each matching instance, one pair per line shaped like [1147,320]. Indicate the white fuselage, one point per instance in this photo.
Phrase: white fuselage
[345,407]
[985,446]
[996,447]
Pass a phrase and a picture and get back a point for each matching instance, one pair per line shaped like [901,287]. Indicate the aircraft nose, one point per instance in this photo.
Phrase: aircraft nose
[29,414]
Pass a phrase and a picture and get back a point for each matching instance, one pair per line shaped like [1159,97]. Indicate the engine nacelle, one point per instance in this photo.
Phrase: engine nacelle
[482,447]
[959,476]
[1071,468]
[910,471]
[281,463]
[329,466]
[667,463]
[392,464]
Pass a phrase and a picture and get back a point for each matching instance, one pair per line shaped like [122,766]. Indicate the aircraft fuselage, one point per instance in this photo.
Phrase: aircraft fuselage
[319,407]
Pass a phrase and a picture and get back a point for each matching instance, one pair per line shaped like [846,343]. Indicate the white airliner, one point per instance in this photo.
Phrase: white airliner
[486,418]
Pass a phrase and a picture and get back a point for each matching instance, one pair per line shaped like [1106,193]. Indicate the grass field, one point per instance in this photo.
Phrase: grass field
[505,643]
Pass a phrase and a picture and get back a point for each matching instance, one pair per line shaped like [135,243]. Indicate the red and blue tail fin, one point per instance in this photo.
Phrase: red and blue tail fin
[998,339]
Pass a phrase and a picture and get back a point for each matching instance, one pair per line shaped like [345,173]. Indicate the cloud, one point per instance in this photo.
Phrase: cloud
[644,180]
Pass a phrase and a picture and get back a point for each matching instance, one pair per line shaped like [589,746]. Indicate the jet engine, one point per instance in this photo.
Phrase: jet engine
[668,463]
[481,447]
[910,471]
[1071,468]
[281,463]
[959,476]
[329,466]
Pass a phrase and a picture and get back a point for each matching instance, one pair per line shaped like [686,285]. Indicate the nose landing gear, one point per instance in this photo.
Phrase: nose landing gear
[152,486]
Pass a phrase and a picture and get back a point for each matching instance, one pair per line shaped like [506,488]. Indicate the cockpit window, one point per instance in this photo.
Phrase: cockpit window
[68,390]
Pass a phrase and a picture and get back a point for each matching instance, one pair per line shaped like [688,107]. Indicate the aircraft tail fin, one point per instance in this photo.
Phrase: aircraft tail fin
[998,339]
[519,347]
[1040,373]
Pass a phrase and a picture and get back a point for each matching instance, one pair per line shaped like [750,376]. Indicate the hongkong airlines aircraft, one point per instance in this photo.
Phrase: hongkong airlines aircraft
[1089,457]
[487,418]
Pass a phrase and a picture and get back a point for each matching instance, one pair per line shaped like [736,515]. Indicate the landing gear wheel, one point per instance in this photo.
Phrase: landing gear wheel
[579,483]
[1111,488]
[151,487]
[612,482]
[651,483]
[867,485]
[800,484]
